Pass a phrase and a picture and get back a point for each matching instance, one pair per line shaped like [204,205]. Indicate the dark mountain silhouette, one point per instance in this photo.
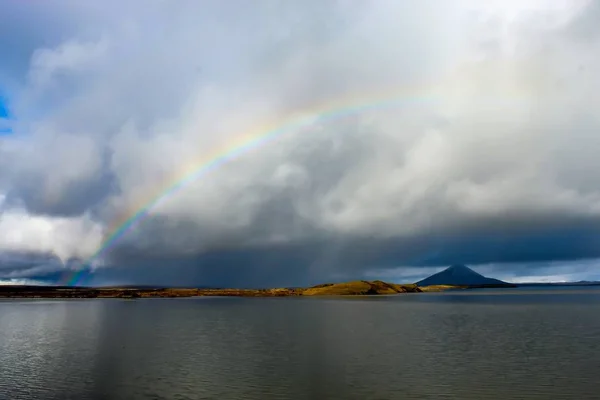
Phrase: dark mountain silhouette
[460,275]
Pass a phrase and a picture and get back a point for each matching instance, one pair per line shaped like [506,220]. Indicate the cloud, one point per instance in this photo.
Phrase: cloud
[491,138]
[7,282]
[64,237]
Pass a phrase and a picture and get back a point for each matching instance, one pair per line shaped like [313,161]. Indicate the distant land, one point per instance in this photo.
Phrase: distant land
[579,283]
[354,288]
[455,277]
[461,275]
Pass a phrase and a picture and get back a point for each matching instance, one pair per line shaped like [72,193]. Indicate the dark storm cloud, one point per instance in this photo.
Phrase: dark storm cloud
[28,265]
[343,258]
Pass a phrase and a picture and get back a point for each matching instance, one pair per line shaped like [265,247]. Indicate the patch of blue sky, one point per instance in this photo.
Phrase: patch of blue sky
[5,119]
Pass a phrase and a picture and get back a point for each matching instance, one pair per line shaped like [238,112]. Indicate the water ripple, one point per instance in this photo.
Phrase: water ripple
[412,346]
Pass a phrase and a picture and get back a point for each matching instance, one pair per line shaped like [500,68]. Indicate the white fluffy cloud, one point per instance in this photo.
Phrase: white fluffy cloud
[64,237]
[496,119]
[19,282]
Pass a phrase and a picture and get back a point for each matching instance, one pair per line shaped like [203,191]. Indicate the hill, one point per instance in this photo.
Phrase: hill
[359,288]
[461,275]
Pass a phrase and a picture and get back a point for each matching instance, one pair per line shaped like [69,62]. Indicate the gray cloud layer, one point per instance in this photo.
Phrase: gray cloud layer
[489,157]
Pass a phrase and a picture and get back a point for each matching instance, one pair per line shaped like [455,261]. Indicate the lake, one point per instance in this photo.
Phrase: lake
[482,344]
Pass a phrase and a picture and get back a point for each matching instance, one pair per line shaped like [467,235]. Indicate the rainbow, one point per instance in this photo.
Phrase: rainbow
[243,144]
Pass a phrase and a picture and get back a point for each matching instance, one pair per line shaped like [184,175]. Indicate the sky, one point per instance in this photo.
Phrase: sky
[466,132]
[4,118]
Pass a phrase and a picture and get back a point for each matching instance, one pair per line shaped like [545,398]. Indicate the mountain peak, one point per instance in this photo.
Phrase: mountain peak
[459,275]
[460,268]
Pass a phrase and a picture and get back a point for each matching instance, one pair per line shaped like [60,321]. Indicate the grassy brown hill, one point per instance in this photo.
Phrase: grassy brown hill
[358,288]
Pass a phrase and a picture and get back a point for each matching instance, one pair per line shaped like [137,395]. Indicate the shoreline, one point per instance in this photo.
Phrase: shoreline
[49,292]
[354,288]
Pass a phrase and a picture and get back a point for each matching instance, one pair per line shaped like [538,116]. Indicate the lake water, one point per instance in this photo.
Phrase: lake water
[480,344]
